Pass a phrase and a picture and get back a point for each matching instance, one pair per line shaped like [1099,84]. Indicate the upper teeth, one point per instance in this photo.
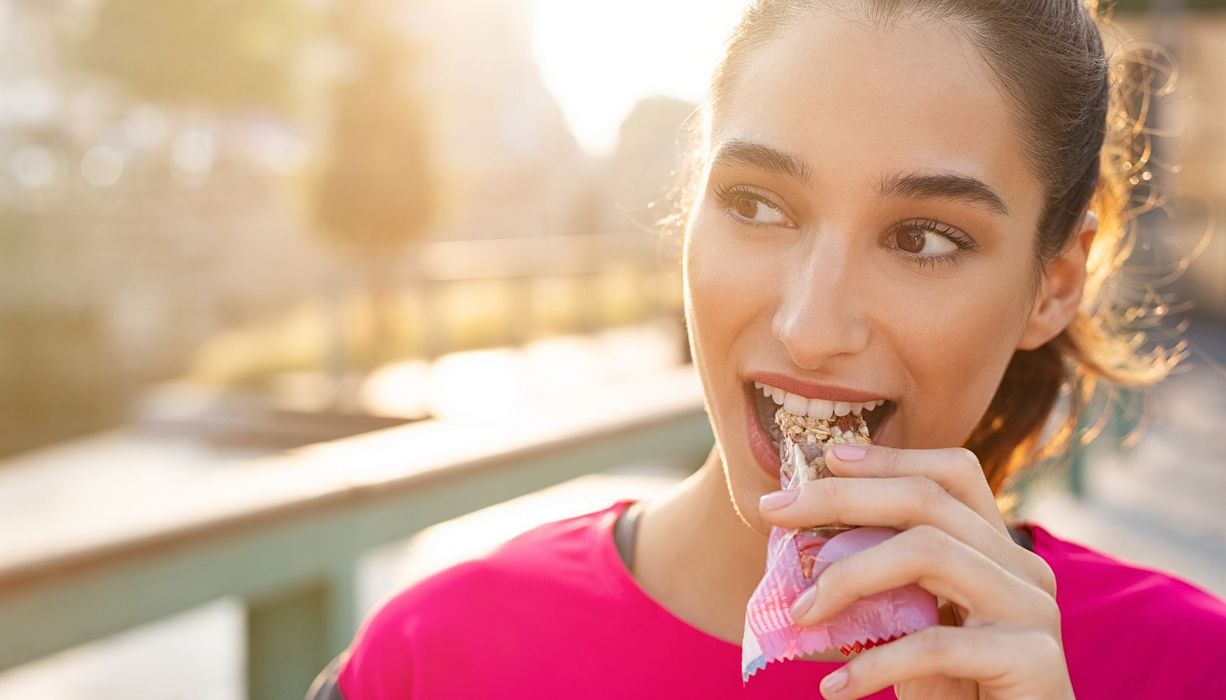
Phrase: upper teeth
[814,408]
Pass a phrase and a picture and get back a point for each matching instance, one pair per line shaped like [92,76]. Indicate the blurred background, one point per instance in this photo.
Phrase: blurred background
[303,300]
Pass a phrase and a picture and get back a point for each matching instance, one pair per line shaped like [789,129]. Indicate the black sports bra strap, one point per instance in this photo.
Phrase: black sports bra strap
[624,531]
[1021,536]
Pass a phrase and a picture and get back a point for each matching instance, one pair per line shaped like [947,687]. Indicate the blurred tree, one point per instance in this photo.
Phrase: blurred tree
[375,190]
[210,53]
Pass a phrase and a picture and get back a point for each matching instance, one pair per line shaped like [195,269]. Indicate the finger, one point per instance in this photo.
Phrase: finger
[899,502]
[957,470]
[941,565]
[994,657]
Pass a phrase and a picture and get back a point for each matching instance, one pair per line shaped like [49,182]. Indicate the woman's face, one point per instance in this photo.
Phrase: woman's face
[891,259]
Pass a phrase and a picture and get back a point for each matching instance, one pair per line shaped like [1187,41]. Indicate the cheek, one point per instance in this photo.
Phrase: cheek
[958,340]
[725,287]
[729,295]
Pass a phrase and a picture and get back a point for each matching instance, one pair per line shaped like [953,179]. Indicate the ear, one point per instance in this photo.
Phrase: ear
[1059,291]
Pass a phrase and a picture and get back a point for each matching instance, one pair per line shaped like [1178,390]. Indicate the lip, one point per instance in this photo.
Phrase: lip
[760,443]
[812,390]
[763,448]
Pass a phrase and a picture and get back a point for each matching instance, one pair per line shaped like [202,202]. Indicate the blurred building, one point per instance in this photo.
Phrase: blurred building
[511,166]
[646,166]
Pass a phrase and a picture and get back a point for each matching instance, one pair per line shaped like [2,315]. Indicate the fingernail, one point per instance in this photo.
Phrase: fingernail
[803,602]
[778,499]
[850,453]
[835,681]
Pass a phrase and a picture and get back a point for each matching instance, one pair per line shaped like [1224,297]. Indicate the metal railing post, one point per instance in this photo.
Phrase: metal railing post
[293,635]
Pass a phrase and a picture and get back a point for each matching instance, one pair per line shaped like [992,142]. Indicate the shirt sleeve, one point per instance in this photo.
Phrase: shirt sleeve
[1195,621]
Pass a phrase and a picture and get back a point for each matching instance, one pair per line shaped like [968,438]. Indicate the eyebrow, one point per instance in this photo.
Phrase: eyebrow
[918,185]
[763,157]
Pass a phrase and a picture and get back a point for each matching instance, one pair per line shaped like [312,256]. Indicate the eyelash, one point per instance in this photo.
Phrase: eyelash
[955,236]
[727,196]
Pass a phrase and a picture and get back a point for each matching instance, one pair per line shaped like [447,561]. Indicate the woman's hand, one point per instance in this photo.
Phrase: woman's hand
[954,544]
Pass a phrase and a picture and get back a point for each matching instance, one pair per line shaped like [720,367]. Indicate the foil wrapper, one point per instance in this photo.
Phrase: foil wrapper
[794,560]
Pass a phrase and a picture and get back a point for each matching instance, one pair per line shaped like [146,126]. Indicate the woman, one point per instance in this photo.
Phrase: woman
[899,201]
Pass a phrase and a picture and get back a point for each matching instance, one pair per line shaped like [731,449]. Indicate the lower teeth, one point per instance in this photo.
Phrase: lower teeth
[776,433]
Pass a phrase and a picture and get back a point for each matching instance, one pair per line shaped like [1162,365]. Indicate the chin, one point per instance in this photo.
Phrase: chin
[745,486]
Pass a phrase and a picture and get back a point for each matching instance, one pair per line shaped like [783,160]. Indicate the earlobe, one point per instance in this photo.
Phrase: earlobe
[1036,331]
[1060,290]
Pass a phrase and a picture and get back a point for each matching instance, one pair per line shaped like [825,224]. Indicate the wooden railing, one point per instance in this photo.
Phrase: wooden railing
[285,533]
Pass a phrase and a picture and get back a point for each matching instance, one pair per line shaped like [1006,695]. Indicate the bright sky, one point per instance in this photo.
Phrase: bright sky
[599,58]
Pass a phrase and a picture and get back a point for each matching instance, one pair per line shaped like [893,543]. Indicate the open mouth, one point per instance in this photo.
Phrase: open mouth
[765,408]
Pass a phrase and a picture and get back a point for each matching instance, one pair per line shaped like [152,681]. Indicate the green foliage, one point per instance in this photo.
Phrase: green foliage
[232,54]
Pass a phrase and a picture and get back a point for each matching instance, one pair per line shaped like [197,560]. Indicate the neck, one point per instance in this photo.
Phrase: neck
[697,556]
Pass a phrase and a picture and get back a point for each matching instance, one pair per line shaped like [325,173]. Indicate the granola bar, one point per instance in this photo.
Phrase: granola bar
[802,459]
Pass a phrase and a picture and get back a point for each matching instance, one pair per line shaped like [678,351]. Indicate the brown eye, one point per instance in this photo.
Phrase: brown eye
[925,242]
[746,207]
[910,239]
[743,205]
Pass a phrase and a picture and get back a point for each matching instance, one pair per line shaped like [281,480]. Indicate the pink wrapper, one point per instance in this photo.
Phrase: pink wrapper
[794,560]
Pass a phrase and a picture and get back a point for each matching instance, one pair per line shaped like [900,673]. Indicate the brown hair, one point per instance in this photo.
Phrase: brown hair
[1075,106]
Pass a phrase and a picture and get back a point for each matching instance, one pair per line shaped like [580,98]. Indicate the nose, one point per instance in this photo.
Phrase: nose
[821,302]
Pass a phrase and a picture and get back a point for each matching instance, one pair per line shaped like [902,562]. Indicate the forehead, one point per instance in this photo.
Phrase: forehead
[858,101]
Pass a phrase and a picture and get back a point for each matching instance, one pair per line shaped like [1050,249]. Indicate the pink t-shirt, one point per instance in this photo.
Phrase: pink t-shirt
[554,613]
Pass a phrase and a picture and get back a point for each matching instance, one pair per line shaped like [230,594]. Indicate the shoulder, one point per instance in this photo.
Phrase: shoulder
[1145,620]
[550,559]
[1089,580]
[448,613]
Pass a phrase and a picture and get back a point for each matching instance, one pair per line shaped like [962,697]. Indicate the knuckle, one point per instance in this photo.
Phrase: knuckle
[830,579]
[926,540]
[931,494]
[966,457]
[1047,577]
[1041,572]
[968,462]
[824,489]
[822,496]
[1047,650]
[807,489]
[1049,613]
[891,460]
[937,643]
